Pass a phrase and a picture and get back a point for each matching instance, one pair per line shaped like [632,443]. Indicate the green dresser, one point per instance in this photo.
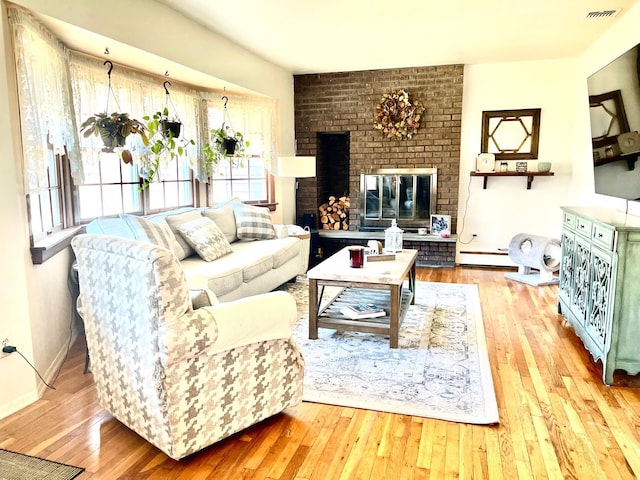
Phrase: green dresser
[599,290]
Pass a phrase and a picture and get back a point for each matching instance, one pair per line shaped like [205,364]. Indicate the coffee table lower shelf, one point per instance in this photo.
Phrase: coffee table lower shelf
[329,316]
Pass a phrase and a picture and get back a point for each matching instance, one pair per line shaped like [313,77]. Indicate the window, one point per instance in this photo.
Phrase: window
[246,178]
[69,180]
[45,204]
[247,181]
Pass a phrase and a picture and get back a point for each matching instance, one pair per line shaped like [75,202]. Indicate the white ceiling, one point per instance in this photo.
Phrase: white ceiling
[318,36]
[315,36]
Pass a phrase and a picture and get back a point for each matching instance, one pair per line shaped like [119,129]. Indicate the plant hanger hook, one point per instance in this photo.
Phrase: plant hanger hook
[166,90]
[226,99]
[110,63]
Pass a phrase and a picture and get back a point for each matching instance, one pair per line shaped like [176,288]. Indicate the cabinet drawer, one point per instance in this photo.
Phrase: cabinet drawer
[569,221]
[603,236]
[584,227]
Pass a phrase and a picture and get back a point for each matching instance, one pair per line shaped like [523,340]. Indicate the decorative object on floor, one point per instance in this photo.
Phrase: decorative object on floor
[441,225]
[398,115]
[440,370]
[15,465]
[535,252]
[544,166]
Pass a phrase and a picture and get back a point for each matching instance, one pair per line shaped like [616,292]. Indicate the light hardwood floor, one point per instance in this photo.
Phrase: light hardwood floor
[558,420]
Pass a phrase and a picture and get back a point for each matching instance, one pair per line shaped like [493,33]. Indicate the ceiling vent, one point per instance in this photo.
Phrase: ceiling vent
[602,14]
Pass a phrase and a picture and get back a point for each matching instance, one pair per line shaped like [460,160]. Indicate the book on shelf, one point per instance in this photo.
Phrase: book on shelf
[363,310]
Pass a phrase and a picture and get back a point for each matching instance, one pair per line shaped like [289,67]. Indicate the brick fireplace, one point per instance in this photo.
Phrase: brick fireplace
[341,106]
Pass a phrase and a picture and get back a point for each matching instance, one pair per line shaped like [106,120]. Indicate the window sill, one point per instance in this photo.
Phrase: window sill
[53,244]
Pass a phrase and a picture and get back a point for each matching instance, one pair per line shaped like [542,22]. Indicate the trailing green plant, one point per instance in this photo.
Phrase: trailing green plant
[114,129]
[165,140]
[224,144]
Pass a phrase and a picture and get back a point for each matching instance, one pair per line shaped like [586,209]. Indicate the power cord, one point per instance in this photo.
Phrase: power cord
[466,206]
[11,349]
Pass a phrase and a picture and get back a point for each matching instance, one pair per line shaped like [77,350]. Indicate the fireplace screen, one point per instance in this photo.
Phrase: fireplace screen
[408,195]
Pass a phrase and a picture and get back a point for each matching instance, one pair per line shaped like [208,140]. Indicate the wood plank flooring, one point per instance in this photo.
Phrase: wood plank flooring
[558,420]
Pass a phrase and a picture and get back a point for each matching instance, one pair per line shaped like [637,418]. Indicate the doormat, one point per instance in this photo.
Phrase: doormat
[16,466]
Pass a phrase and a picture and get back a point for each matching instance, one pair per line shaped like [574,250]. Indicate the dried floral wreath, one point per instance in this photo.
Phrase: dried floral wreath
[398,115]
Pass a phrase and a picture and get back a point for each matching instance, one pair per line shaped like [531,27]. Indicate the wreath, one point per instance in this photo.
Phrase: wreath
[398,115]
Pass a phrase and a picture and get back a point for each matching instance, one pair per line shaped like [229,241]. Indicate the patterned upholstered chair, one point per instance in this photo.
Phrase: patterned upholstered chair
[180,377]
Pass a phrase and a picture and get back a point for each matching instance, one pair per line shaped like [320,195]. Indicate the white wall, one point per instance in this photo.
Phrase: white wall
[506,207]
[34,299]
[623,35]
[18,382]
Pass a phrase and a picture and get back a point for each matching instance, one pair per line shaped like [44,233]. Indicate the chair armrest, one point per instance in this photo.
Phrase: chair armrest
[227,325]
[258,318]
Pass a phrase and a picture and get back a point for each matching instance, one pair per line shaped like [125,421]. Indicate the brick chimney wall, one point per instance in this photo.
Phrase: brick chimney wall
[346,102]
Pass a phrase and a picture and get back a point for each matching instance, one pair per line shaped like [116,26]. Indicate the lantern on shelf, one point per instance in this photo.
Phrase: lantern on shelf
[393,238]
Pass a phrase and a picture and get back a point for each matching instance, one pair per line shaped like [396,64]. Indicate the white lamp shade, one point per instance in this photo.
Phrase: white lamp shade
[296,167]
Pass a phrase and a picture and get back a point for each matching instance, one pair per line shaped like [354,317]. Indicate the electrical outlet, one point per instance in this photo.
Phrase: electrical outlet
[5,342]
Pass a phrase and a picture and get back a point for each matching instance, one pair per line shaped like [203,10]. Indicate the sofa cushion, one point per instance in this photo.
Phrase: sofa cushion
[147,231]
[222,276]
[205,237]
[174,220]
[223,216]
[287,248]
[253,223]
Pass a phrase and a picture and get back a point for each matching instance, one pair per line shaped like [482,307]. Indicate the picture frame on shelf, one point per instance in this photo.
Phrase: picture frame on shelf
[441,225]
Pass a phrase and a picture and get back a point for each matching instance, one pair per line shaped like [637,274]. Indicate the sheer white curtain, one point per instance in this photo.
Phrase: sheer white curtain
[134,93]
[254,117]
[44,93]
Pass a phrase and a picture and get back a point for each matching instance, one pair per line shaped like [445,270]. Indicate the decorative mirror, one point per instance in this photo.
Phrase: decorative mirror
[511,134]
[608,118]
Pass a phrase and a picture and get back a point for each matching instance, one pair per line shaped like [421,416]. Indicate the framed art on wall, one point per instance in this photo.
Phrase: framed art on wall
[441,225]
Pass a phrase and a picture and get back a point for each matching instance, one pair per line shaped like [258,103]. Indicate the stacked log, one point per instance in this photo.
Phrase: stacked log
[334,214]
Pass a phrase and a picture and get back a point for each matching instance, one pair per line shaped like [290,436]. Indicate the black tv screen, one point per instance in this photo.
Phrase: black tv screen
[614,112]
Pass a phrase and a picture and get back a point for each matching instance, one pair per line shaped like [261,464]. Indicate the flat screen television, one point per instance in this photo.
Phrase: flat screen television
[614,112]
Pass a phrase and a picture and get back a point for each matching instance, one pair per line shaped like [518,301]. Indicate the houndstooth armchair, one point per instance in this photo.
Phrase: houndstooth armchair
[180,377]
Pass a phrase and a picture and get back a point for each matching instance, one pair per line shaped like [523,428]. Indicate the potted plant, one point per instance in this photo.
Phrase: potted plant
[114,129]
[164,138]
[225,143]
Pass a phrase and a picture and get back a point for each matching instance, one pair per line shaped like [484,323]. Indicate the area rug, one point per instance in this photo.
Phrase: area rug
[16,466]
[440,370]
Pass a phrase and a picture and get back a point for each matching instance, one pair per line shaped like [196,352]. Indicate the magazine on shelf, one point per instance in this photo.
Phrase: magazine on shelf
[363,310]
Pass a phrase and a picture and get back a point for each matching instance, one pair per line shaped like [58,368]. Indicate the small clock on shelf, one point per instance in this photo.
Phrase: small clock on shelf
[485,162]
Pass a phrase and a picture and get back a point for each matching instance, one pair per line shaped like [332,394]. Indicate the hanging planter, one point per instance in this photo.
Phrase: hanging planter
[226,144]
[165,139]
[113,128]
[229,145]
[170,128]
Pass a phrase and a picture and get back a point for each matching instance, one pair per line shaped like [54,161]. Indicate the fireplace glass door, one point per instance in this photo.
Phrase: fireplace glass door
[406,195]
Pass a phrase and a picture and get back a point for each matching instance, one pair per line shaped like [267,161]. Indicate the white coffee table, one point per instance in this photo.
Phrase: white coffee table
[376,282]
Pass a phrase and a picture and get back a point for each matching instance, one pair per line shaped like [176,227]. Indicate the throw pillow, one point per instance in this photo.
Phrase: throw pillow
[148,231]
[222,215]
[177,219]
[253,223]
[205,237]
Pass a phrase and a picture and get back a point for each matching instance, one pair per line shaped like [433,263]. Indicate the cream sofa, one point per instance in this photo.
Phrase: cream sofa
[261,256]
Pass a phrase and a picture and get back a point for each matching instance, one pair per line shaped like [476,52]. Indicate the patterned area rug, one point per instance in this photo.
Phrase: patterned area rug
[441,369]
[14,466]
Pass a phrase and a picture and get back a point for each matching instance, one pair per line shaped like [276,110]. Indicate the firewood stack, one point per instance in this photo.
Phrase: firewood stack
[334,214]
